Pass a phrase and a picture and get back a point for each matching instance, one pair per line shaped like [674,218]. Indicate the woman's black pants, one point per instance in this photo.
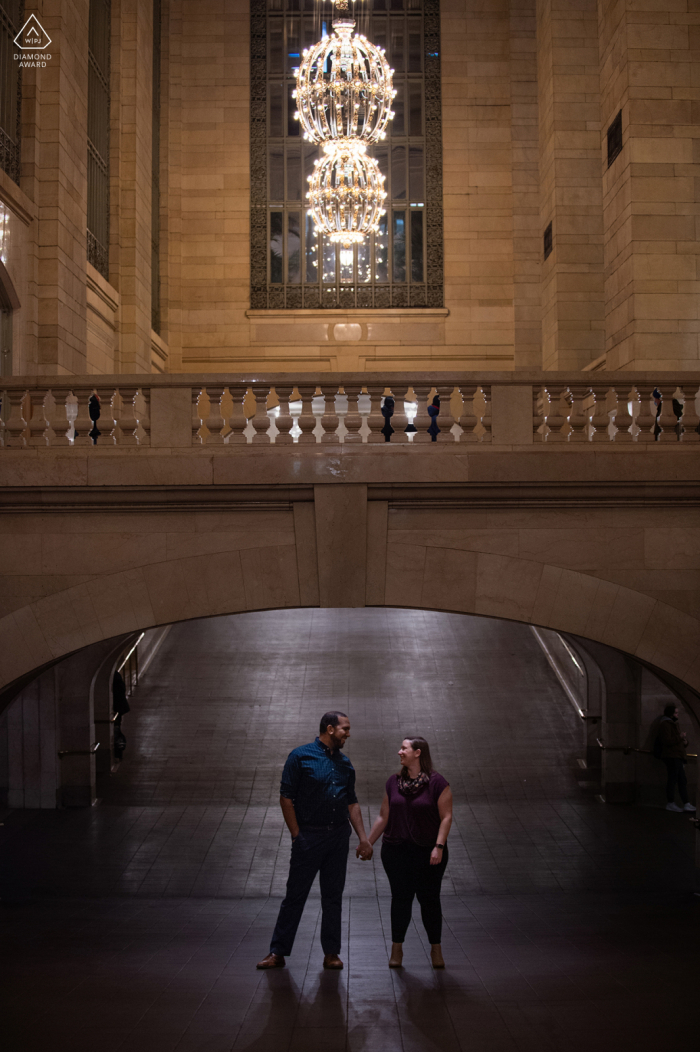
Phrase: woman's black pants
[410,875]
[676,777]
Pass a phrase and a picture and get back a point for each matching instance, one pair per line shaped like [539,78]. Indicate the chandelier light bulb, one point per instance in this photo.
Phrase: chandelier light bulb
[344,87]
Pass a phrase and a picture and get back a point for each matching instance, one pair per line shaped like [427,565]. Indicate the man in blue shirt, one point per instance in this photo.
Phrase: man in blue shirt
[317,797]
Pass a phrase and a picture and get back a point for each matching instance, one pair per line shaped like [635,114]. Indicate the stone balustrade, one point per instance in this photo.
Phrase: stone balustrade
[550,409]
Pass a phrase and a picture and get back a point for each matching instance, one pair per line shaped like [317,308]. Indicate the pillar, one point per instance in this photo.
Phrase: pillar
[649,73]
[573,332]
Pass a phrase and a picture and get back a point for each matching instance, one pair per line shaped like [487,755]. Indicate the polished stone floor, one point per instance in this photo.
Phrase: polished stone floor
[136,925]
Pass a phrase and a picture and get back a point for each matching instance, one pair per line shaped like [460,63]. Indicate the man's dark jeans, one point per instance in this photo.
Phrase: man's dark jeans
[676,775]
[314,851]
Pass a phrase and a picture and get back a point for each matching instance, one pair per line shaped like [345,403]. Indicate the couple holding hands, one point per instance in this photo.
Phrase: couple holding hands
[318,801]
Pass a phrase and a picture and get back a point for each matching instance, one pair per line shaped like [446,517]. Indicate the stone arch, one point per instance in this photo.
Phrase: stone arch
[181,589]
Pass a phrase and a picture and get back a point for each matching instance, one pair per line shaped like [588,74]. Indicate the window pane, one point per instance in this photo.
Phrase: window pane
[347,264]
[294,249]
[417,179]
[276,61]
[380,5]
[398,125]
[381,250]
[293,53]
[398,173]
[276,248]
[293,173]
[276,102]
[397,5]
[364,261]
[416,246]
[276,173]
[415,56]
[378,35]
[415,108]
[397,60]
[328,262]
[293,126]
[398,241]
[311,251]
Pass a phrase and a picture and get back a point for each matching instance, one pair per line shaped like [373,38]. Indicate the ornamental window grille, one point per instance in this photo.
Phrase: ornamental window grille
[99,45]
[401,265]
[11,19]
[155,173]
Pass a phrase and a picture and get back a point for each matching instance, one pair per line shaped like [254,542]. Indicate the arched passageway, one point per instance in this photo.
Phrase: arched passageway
[161,899]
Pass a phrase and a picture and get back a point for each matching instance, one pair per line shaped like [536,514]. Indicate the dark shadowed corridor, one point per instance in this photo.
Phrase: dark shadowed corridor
[136,924]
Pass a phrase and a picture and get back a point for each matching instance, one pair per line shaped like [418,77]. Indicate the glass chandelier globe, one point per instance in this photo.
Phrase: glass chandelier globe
[346,192]
[344,88]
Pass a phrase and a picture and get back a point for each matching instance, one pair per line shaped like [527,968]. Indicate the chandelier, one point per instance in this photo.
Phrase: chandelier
[344,93]
[344,88]
[346,192]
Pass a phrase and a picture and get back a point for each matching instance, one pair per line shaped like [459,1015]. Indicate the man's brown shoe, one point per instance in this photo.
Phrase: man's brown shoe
[273,960]
[332,960]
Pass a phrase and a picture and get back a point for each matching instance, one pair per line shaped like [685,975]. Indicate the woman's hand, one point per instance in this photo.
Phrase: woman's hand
[435,856]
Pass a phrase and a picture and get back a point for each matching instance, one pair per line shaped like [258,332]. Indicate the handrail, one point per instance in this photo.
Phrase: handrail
[79,752]
[627,749]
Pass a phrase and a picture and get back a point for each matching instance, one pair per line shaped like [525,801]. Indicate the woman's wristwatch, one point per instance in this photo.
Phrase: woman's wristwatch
[441,846]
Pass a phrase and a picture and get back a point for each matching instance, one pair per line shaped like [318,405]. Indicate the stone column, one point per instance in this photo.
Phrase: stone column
[130,160]
[527,326]
[649,73]
[30,742]
[55,148]
[571,187]
[621,723]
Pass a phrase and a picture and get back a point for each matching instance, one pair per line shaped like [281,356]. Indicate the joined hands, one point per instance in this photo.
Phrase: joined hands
[364,850]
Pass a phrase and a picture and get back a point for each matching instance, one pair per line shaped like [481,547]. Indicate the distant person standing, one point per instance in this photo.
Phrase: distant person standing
[672,745]
[317,797]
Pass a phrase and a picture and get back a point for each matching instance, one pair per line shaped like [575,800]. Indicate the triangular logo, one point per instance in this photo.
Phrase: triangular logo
[32,36]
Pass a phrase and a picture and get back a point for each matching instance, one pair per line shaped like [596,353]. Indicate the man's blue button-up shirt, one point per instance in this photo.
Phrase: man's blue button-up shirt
[320,784]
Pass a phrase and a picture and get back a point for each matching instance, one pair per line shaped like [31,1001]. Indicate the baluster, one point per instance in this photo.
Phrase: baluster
[364,408]
[558,419]
[387,405]
[118,412]
[410,409]
[56,419]
[424,395]
[107,421]
[72,415]
[611,408]
[646,420]
[203,408]
[376,417]
[578,418]
[143,422]
[307,420]
[272,408]
[691,417]
[667,420]
[588,412]
[250,408]
[128,421]
[215,421]
[627,417]
[318,408]
[456,411]
[238,421]
[18,411]
[544,410]
[329,420]
[678,404]
[226,412]
[295,410]
[342,407]
[82,423]
[482,412]
[38,423]
[624,419]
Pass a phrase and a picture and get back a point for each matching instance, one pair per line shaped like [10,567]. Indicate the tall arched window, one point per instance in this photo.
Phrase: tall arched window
[402,265]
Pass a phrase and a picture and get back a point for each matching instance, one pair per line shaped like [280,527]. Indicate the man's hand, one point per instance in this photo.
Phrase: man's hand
[364,850]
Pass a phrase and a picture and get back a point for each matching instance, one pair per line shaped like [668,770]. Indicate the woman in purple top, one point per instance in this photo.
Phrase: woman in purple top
[415,818]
